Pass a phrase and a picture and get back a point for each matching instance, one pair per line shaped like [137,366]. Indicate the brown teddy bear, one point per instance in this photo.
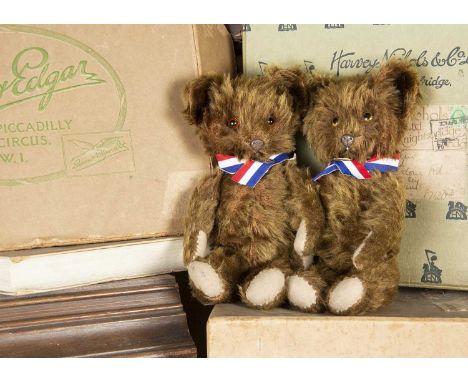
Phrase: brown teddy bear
[250,220]
[355,125]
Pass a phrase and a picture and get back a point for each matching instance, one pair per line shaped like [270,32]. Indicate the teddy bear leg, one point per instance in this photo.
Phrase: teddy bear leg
[359,292]
[213,278]
[305,291]
[265,288]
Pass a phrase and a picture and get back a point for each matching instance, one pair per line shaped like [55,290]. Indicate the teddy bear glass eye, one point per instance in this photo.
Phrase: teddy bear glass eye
[335,121]
[270,121]
[367,117]
[232,123]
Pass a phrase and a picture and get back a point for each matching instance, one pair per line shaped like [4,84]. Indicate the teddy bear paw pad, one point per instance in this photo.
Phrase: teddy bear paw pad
[205,278]
[300,293]
[265,287]
[347,293]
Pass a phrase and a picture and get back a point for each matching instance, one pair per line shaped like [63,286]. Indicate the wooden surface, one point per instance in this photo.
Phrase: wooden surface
[197,313]
[419,323]
[142,317]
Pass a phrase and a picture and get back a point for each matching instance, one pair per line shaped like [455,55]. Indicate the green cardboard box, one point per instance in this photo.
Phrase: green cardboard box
[434,250]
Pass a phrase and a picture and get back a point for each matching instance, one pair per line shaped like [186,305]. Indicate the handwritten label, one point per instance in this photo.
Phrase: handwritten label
[433,159]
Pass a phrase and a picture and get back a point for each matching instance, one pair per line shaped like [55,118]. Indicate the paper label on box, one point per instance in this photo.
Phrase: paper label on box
[49,84]
[433,157]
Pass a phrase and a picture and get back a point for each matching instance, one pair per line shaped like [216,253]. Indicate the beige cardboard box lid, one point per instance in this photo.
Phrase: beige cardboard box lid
[419,323]
[93,145]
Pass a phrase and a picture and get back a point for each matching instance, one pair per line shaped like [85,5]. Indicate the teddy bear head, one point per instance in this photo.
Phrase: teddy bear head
[247,117]
[361,116]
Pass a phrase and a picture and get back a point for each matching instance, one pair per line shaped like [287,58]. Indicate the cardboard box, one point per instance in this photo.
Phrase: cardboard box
[435,241]
[417,324]
[93,145]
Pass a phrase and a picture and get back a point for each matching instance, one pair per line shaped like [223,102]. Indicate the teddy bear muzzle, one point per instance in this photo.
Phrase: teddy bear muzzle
[347,140]
[257,144]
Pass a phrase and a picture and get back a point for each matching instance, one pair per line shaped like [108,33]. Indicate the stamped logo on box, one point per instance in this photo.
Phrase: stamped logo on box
[62,109]
[98,153]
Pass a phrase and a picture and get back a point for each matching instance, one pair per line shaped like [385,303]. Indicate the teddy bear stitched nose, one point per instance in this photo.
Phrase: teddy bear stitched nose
[256,144]
[347,140]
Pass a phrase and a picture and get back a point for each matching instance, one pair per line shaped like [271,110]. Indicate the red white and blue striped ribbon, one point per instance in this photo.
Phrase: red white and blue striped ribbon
[360,170]
[249,172]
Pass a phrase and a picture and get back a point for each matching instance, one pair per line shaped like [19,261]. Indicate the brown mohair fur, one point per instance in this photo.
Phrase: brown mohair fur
[354,208]
[249,229]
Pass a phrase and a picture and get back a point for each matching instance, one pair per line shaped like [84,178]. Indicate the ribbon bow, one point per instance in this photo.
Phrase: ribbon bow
[249,172]
[359,170]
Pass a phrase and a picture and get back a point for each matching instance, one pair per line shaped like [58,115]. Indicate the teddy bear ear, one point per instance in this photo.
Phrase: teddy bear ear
[315,82]
[197,98]
[292,81]
[403,76]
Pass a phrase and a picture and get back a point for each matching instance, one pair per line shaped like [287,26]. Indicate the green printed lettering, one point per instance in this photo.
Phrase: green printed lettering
[6,158]
[32,79]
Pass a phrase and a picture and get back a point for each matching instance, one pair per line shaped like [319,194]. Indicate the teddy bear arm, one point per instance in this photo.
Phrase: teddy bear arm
[200,217]
[381,240]
[310,226]
[307,213]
